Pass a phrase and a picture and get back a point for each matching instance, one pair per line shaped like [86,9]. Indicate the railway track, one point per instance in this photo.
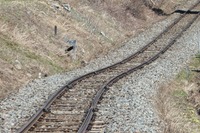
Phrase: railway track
[71,108]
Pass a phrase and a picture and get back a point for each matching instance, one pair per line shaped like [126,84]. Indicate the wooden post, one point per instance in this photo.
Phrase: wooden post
[198,42]
[55,30]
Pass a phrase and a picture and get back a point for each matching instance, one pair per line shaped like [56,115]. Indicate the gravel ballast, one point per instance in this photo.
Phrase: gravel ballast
[18,108]
[128,105]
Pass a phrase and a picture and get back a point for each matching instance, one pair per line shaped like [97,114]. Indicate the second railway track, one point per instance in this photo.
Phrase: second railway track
[71,108]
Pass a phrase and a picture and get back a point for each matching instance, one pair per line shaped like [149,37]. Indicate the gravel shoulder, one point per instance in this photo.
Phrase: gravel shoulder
[17,108]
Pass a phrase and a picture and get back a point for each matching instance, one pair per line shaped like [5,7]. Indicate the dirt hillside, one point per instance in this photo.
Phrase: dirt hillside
[39,38]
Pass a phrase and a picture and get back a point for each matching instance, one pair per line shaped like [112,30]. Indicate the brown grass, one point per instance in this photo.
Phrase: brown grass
[131,14]
[99,26]
[176,109]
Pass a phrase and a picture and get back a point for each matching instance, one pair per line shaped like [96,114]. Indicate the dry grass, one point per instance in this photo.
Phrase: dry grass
[12,77]
[178,102]
[168,6]
[99,26]
[131,14]
[178,114]
[31,24]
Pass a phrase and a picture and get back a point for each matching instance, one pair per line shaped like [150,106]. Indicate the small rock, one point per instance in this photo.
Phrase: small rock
[39,75]
[67,7]
[102,33]
[45,75]
[2,119]
[18,65]
[56,6]
[83,63]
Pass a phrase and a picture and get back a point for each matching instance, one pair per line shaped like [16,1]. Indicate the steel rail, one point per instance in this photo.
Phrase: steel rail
[102,90]
[51,99]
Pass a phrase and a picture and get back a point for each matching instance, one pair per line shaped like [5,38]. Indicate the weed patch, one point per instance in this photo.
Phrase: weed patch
[179,101]
[28,55]
[180,94]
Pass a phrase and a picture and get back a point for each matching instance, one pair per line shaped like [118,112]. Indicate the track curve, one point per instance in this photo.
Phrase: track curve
[64,111]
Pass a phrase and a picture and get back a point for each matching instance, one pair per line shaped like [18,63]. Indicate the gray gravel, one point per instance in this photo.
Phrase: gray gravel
[17,108]
[128,105]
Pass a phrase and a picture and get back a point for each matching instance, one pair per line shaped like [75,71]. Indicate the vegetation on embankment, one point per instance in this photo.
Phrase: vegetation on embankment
[30,49]
[179,102]
[29,46]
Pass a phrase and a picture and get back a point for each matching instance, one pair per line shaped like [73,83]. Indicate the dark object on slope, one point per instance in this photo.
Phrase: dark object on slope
[160,12]
[198,111]
[188,12]
[198,71]
[55,30]
[69,49]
